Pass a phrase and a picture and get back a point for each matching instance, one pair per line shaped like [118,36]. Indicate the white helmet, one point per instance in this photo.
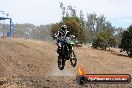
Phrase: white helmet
[64,28]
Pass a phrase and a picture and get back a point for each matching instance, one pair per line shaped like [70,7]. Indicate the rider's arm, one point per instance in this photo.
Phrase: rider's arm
[68,34]
[55,35]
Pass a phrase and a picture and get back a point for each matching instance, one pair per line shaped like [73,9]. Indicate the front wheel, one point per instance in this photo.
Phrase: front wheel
[73,59]
[61,63]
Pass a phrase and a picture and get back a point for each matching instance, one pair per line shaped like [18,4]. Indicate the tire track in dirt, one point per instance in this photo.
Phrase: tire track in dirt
[42,70]
[67,71]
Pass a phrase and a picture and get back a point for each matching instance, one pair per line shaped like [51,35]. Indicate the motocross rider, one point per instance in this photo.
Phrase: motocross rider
[62,35]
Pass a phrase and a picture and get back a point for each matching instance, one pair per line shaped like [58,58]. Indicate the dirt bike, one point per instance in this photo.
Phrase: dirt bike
[66,54]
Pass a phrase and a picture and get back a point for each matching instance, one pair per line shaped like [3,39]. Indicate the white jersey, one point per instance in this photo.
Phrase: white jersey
[62,35]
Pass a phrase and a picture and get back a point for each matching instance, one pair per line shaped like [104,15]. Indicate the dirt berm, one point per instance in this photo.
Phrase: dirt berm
[33,64]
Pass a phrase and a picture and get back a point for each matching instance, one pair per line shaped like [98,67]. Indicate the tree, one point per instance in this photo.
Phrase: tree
[75,28]
[118,35]
[91,21]
[126,41]
[54,28]
[82,20]
[62,8]
[96,24]
[100,23]
[73,24]
[103,40]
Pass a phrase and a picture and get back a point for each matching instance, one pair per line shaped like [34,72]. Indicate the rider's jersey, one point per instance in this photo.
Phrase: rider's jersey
[61,36]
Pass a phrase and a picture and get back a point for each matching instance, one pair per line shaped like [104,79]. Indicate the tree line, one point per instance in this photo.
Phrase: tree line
[28,31]
[89,28]
[92,29]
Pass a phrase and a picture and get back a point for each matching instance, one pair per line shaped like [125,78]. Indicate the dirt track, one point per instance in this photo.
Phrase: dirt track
[33,64]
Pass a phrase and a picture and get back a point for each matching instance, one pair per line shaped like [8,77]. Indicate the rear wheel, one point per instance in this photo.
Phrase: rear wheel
[73,59]
[61,63]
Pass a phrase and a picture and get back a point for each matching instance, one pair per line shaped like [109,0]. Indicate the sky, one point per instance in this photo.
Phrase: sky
[37,12]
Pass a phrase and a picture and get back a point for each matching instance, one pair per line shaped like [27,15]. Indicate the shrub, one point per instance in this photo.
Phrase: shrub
[126,41]
[103,40]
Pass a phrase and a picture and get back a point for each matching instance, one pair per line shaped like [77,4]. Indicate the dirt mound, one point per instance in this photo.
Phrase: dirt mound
[26,57]
[33,64]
